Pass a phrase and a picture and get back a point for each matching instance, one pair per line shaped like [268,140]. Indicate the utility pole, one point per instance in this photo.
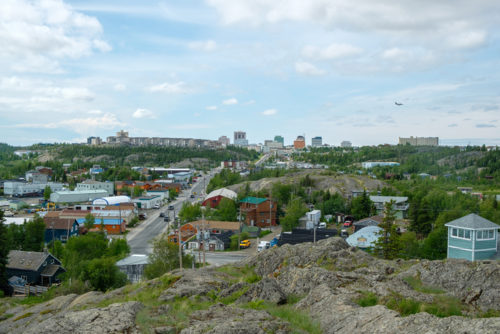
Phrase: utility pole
[203,233]
[180,247]
[239,232]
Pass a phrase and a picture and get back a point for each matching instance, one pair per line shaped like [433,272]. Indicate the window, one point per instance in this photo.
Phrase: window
[485,235]
[461,233]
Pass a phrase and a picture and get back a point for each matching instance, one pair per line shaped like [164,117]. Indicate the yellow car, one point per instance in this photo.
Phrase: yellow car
[245,243]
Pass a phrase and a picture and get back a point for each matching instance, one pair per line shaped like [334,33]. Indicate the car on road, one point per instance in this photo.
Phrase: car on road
[156,206]
[162,214]
[263,245]
[192,196]
[166,219]
[170,207]
[245,243]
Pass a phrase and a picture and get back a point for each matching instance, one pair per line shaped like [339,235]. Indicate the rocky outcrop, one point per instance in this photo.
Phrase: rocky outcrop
[267,289]
[222,319]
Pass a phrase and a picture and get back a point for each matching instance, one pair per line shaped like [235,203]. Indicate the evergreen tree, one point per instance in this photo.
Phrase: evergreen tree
[362,206]
[4,257]
[46,193]
[34,235]
[89,221]
[388,244]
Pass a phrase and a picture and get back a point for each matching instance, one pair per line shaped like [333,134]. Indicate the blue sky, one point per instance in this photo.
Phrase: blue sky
[330,68]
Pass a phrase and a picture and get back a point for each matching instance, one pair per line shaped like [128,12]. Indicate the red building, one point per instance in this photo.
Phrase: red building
[299,143]
[260,212]
[213,199]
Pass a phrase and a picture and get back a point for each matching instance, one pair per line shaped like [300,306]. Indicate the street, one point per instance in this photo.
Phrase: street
[139,239]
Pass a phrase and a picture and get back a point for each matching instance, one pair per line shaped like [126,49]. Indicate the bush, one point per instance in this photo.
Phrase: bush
[404,306]
[103,274]
[444,306]
[133,222]
[264,233]
[234,240]
[367,299]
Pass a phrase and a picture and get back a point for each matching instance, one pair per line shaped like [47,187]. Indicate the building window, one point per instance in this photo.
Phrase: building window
[459,233]
[485,235]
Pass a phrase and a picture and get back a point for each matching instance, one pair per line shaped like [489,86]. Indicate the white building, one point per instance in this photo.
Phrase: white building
[111,200]
[371,164]
[96,185]
[15,188]
[76,196]
[316,142]
[147,202]
[346,144]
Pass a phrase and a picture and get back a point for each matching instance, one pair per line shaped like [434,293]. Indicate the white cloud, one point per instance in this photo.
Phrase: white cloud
[211,108]
[230,101]
[306,68]
[119,87]
[467,39]
[333,51]
[206,46]
[395,53]
[269,112]
[143,113]
[179,87]
[36,33]
[107,121]
[95,112]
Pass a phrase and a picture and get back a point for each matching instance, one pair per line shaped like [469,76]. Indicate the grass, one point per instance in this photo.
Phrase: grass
[264,233]
[233,297]
[25,315]
[416,284]
[239,274]
[298,319]
[367,299]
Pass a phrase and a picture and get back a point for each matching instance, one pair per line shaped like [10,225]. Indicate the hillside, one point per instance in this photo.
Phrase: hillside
[322,180]
[323,288]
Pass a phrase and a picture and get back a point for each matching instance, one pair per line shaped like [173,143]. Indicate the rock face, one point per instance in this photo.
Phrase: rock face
[326,279]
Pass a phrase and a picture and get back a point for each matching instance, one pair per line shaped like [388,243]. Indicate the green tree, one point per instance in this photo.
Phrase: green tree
[103,274]
[84,248]
[56,248]
[4,254]
[388,244]
[172,194]
[164,258]
[46,193]
[362,206]
[296,208]
[226,211]
[138,191]
[118,248]
[89,221]
[34,235]
[190,212]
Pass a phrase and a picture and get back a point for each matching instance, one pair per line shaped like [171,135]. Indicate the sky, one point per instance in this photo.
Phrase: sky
[202,69]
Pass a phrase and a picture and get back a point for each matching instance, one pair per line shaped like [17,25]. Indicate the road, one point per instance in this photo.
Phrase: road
[139,239]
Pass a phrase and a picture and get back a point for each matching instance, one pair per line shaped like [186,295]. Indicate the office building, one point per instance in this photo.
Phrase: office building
[240,138]
[279,139]
[224,141]
[299,143]
[346,144]
[316,142]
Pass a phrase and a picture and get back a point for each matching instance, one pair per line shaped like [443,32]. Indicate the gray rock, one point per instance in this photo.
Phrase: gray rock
[165,330]
[266,289]
[222,319]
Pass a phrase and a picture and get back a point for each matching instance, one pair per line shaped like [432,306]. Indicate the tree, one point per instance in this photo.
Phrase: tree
[46,193]
[118,248]
[84,248]
[103,274]
[89,221]
[34,235]
[296,208]
[138,191]
[362,206]
[388,244]
[4,257]
[172,194]
[164,258]
[226,211]
[190,212]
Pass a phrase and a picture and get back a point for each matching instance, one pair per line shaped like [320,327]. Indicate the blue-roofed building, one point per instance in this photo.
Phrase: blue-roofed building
[364,238]
[472,237]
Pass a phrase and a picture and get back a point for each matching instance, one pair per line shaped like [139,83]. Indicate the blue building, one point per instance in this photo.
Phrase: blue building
[472,238]
[60,229]
[39,268]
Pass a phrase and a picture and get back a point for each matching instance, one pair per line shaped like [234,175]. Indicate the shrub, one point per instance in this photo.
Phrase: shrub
[367,299]
[416,284]
[444,306]
[405,306]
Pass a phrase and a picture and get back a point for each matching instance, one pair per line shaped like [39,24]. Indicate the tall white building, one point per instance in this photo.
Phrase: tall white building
[240,138]
[346,143]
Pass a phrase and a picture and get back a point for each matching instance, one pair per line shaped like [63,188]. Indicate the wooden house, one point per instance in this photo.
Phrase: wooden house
[37,268]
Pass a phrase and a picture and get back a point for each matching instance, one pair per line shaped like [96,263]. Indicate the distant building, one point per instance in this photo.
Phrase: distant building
[240,138]
[36,268]
[133,266]
[77,196]
[213,199]
[96,185]
[316,141]
[122,138]
[346,144]
[371,164]
[94,141]
[472,237]
[259,211]
[419,141]
[299,143]
[400,205]
[224,141]
[21,189]
[272,144]
[279,139]
[36,177]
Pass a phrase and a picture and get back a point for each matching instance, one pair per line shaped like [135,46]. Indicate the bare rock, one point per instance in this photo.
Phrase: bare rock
[266,289]
[91,297]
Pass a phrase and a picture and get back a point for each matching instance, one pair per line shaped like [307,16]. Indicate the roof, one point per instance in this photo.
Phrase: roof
[26,260]
[52,214]
[385,199]
[59,223]
[133,259]
[253,200]
[374,220]
[69,192]
[16,220]
[472,221]
[50,270]
[222,192]
[98,221]
[111,200]
[365,237]
[215,224]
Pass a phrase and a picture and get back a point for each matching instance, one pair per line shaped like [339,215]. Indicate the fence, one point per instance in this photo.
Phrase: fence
[30,290]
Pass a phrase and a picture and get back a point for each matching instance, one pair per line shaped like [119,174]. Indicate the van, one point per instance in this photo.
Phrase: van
[263,245]
[322,225]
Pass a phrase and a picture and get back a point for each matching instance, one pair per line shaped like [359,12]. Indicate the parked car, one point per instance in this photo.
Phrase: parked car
[8,213]
[322,225]
[348,223]
[263,245]
[156,206]
[170,207]
[142,216]
[344,234]
[192,196]
[245,243]
[162,214]
[166,219]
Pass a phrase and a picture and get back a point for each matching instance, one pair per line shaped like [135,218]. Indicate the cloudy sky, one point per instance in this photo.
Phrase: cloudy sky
[332,68]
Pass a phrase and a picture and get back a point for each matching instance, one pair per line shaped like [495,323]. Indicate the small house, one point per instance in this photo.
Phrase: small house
[37,268]
[259,211]
[133,266]
[365,237]
[370,221]
[60,229]
[112,226]
[472,237]
[400,206]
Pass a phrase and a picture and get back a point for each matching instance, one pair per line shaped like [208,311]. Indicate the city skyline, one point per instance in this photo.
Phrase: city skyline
[204,69]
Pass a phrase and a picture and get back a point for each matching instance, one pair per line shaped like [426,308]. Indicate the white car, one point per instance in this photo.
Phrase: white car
[156,206]
[8,214]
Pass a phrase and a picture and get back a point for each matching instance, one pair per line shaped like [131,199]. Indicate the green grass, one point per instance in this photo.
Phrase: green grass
[298,319]
[416,284]
[239,274]
[367,299]
[233,297]
[25,315]
[444,306]
[404,306]
[264,233]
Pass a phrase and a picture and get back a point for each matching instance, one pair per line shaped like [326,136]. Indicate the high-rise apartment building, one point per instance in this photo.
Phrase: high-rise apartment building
[419,141]
[316,141]
[279,139]
[224,141]
[240,138]
[346,143]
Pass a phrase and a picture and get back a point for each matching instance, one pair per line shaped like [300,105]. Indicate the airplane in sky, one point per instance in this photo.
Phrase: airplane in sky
[398,103]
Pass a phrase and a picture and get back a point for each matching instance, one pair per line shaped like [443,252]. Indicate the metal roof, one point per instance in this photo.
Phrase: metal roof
[26,260]
[133,259]
[253,200]
[222,192]
[385,199]
[365,237]
[99,221]
[473,221]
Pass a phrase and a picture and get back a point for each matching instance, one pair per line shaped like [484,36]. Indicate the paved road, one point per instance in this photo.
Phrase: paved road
[139,239]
